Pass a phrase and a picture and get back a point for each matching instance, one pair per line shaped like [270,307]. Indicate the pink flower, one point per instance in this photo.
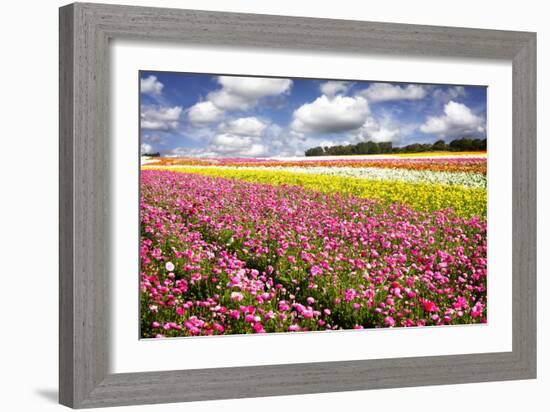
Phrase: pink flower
[329,236]
[234,314]
[411,294]
[283,306]
[460,303]
[307,313]
[477,310]
[258,328]
[397,293]
[350,294]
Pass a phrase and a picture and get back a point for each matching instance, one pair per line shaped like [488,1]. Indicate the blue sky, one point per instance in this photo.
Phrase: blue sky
[185,114]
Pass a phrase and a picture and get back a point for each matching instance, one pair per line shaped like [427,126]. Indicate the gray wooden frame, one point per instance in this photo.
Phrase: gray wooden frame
[85,31]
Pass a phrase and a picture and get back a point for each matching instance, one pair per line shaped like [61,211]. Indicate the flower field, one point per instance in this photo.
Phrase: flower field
[463,163]
[235,246]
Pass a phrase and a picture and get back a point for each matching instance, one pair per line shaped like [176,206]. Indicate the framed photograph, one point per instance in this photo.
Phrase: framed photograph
[256,205]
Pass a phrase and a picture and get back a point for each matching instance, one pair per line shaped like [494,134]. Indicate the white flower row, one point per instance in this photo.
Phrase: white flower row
[467,179]
[405,175]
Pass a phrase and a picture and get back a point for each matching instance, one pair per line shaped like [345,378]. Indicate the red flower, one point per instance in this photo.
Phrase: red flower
[429,306]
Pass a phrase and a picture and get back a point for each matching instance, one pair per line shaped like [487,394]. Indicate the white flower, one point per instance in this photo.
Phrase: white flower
[468,179]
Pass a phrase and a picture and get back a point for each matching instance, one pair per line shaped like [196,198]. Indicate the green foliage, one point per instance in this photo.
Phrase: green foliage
[458,145]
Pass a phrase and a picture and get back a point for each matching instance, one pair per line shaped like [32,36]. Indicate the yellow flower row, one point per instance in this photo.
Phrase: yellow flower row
[465,202]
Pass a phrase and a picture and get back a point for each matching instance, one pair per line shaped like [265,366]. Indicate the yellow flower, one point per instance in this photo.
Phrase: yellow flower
[465,201]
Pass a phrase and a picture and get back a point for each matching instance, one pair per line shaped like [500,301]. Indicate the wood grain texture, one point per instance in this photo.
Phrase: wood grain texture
[85,31]
[66,229]
[524,225]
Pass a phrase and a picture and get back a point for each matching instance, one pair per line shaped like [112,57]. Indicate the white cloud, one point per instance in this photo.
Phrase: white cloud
[254,87]
[251,126]
[331,115]
[443,95]
[227,101]
[160,118]
[238,145]
[383,92]
[236,93]
[230,142]
[374,131]
[242,93]
[274,140]
[146,148]
[154,138]
[226,145]
[204,113]
[190,151]
[332,87]
[151,86]
[458,120]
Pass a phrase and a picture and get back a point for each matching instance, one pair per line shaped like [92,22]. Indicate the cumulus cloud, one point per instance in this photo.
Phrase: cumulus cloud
[224,100]
[285,142]
[240,144]
[383,92]
[242,93]
[251,126]
[151,85]
[226,145]
[160,118]
[152,138]
[204,113]
[333,87]
[374,131]
[242,137]
[189,151]
[236,93]
[443,95]
[231,141]
[254,87]
[331,115]
[146,148]
[457,120]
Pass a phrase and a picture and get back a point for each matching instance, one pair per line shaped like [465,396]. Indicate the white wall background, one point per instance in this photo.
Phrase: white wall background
[28,204]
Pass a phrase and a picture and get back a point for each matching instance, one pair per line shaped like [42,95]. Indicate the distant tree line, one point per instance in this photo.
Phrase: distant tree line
[157,154]
[458,145]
